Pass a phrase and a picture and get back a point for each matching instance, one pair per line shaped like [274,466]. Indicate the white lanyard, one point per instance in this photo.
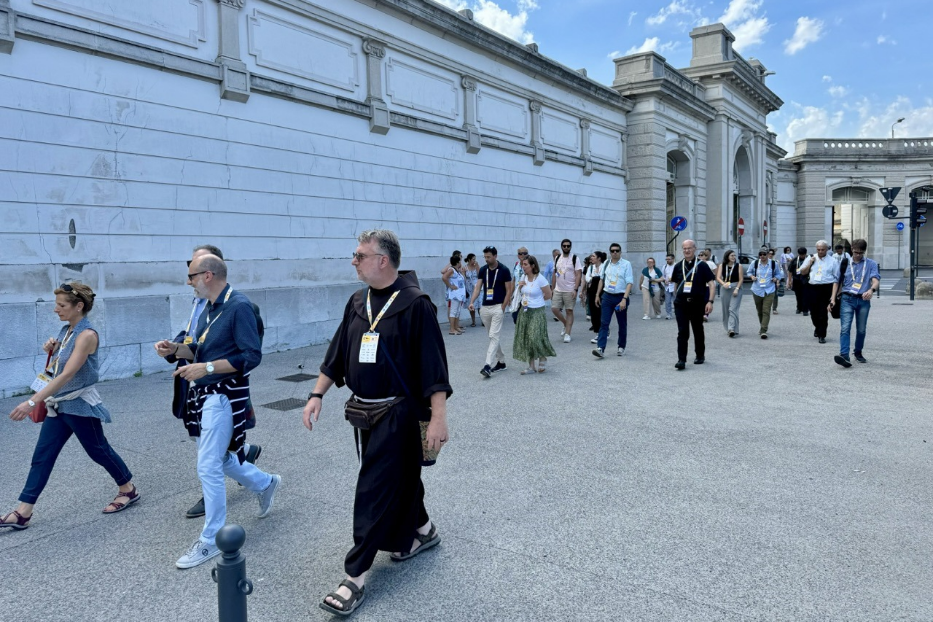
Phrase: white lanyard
[61,349]
[852,271]
[495,274]
[729,274]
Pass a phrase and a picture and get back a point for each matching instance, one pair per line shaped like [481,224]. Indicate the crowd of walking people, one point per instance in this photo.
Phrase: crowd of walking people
[823,284]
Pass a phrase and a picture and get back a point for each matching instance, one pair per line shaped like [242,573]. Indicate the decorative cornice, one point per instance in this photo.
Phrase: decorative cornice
[374,48]
[468,83]
[237,4]
[535,106]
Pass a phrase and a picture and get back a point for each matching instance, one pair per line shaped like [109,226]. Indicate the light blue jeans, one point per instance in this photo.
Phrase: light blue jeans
[214,461]
[859,308]
[669,303]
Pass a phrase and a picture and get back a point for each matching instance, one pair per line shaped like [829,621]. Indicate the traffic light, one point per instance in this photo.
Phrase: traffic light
[918,212]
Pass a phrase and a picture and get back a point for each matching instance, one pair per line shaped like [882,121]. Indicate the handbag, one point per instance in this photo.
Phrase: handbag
[781,289]
[40,410]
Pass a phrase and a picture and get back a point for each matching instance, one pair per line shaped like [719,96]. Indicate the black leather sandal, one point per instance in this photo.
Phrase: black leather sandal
[432,538]
[347,605]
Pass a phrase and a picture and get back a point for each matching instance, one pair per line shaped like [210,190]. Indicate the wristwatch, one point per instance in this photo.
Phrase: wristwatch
[31,403]
[209,368]
[312,395]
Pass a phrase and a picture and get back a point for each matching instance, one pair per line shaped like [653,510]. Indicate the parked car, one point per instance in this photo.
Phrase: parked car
[744,261]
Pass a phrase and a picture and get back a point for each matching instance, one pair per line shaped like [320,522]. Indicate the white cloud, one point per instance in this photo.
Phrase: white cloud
[875,119]
[808,31]
[810,122]
[882,39]
[494,17]
[743,19]
[631,16]
[614,54]
[651,44]
[827,78]
[676,7]
[838,91]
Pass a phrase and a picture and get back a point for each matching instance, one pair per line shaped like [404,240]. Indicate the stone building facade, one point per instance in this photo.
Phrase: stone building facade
[837,196]
[277,130]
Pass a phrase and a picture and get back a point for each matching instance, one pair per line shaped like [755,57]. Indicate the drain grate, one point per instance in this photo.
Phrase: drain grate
[298,377]
[290,403]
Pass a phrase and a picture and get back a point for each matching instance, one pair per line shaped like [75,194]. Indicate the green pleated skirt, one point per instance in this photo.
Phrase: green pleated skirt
[531,338]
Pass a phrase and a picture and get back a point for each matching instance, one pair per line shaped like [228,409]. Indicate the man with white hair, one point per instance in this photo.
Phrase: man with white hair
[823,271]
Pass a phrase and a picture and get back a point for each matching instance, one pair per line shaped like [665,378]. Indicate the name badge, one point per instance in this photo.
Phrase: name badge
[40,382]
[613,281]
[188,340]
[688,286]
[369,347]
[819,273]
[856,287]
[762,281]
[489,294]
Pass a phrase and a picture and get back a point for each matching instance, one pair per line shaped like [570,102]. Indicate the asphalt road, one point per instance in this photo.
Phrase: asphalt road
[767,484]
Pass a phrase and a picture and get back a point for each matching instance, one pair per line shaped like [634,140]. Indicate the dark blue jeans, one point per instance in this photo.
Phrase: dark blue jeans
[853,306]
[608,304]
[54,434]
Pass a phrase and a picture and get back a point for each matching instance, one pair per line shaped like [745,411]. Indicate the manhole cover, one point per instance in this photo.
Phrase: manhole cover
[287,404]
[298,377]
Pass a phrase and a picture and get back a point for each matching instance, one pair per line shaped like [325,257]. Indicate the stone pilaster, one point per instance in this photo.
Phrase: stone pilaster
[7,27]
[375,99]
[585,149]
[234,84]
[536,142]
[469,114]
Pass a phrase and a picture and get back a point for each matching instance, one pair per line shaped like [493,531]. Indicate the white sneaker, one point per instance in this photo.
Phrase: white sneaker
[646,318]
[267,496]
[620,351]
[594,340]
[566,338]
[598,353]
[667,318]
[197,554]
[658,316]
[563,331]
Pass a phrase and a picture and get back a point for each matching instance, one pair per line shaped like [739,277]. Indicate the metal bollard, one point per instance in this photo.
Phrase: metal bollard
[230,575]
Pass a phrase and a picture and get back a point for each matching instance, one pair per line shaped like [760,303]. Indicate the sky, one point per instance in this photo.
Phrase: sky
[844,68]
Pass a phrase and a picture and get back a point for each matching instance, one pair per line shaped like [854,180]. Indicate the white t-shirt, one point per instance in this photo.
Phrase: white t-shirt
[533,292]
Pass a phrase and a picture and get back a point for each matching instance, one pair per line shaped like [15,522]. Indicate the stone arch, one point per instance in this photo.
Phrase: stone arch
[680,182]
[743,196]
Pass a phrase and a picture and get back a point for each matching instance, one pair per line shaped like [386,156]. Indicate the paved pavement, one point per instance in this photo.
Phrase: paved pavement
[768,484]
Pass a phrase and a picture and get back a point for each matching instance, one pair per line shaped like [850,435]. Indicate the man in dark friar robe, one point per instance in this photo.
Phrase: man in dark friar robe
[389,345]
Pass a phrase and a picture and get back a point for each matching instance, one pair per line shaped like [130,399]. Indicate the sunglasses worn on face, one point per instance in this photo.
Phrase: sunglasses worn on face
[361,256]
[191,276]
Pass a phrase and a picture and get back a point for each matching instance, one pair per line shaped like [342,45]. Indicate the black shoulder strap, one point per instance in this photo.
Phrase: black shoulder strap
[842,270]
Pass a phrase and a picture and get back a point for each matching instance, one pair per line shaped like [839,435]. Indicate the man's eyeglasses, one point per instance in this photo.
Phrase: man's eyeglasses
[565,245]
[854,252]
[522,252]
[615,250]
[361,256]
[191,276]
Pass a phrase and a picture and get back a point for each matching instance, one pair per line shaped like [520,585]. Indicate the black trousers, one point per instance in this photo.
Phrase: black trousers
[595,318]
[819,296]
[800,291]
[389,504]
[690,314]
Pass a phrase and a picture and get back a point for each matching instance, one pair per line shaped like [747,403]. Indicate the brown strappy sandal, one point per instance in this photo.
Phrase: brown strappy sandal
[132,495]
[22,522]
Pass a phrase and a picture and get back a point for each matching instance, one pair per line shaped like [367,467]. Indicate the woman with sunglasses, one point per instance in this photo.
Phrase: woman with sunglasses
[74,407]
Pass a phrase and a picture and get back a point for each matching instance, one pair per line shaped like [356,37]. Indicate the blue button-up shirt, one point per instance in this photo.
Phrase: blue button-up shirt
[859,275]
[616,276]
[230,332]
[767,271]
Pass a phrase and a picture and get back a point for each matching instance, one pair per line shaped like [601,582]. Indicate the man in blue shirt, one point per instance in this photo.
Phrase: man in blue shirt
[860,280]
[225,348]
[765,273]
[612,296]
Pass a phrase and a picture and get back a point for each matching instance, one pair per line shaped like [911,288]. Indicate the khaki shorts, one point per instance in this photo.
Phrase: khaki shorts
[563,300]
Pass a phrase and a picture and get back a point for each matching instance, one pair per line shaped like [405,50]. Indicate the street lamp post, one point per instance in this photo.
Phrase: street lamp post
[895,123]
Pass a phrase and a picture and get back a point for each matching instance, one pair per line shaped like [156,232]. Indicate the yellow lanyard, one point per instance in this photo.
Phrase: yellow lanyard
[369,310]
[210,322]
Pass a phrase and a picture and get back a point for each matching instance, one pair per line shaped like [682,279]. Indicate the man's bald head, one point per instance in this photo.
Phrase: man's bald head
[210,263]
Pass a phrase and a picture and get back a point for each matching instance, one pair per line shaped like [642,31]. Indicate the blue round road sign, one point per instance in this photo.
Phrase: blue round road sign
[900,226]
[678,223]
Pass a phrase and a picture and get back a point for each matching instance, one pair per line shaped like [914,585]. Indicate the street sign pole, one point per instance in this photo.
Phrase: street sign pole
[913,244]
